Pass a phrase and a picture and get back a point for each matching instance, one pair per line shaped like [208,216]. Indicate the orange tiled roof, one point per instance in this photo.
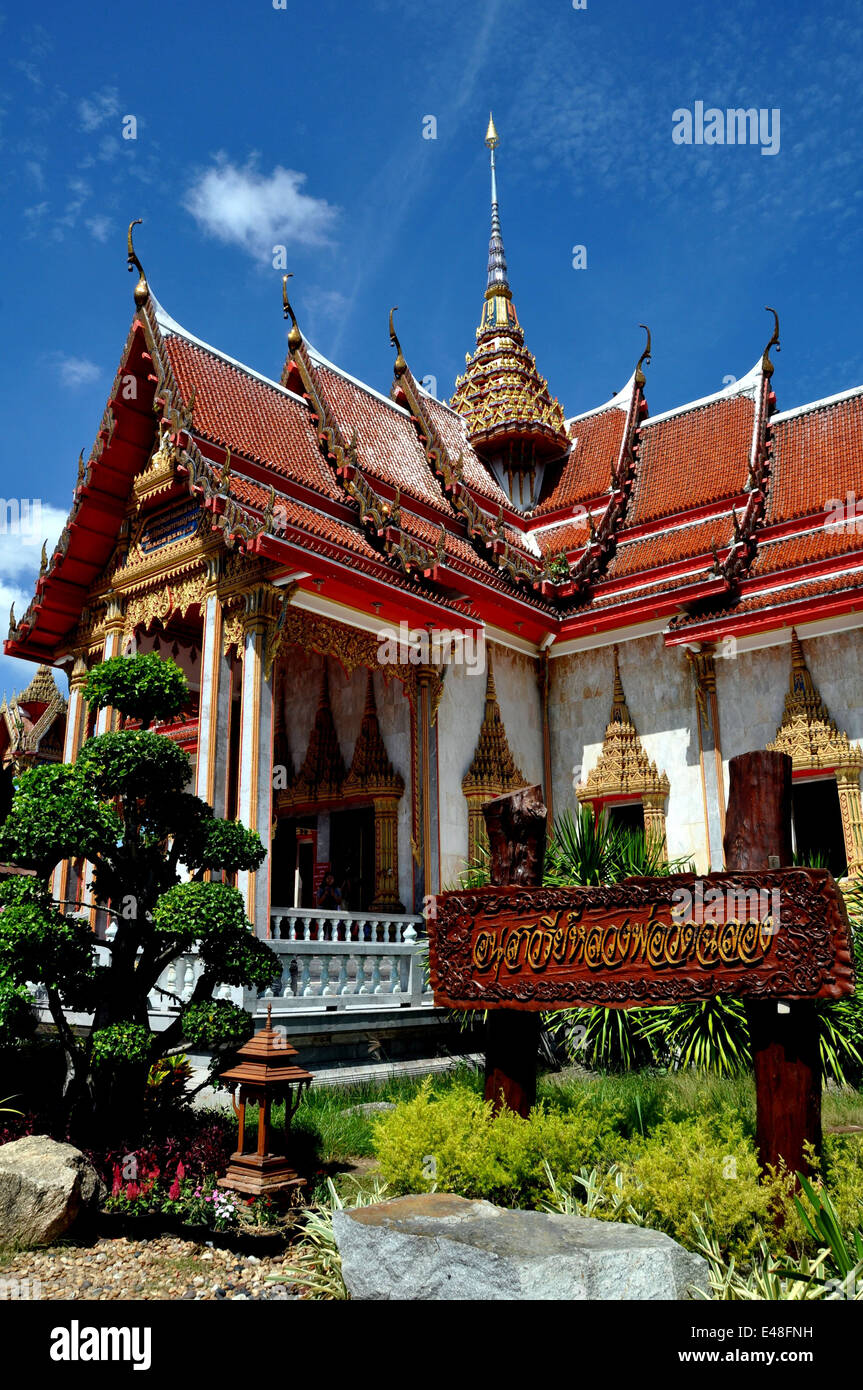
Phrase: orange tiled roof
[258,419]
[805,547]
[666,546]
[387,444]
[817,456]
[586,471]
[692,458]
[453,433]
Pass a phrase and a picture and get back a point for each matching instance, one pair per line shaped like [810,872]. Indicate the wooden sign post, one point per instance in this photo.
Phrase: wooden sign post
[516,826]
[777,937]
[785,1037]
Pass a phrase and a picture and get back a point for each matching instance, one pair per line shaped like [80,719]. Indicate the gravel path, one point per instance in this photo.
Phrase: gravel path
[164,1268]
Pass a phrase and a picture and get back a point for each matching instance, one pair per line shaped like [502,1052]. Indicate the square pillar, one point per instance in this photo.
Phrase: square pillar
[64,881]
[214,707]
[106,719]
[255,782]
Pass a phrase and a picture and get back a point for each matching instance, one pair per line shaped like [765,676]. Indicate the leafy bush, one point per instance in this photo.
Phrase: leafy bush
[119,1044]
[454,1141]
[142,687]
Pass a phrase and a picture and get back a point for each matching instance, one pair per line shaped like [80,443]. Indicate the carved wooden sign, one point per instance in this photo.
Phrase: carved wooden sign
[780,934]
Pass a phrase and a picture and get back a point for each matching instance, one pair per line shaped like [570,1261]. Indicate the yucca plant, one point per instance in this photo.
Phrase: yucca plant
[768,1279]
[708,1034]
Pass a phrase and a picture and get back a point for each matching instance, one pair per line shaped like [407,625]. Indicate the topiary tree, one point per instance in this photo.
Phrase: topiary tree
[123,806]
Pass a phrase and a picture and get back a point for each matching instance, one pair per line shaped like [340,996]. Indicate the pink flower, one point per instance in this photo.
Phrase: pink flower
[132,1191]
[174,1190]
[181,1172]
[118,1181]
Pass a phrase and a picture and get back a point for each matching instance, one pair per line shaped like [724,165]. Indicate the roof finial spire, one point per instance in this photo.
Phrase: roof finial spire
[142,289]
[766,364]
[497,276]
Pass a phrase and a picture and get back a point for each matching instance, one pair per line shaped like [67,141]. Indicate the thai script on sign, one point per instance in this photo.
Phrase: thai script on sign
[566,938]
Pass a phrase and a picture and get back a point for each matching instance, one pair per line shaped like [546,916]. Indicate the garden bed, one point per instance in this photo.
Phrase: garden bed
[111,1225]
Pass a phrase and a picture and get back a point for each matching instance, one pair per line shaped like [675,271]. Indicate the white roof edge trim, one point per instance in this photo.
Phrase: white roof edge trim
[621,401]
[321,361]
[745,386]
[170,326]
[816,405]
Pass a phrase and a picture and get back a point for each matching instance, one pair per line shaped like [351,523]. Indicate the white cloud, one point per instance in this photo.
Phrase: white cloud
[76,371]
[24,524]
[98,227]
[93,112]
[256,211]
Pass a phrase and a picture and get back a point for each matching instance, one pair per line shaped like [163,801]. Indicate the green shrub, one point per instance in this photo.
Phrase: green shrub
[141,687]
[684,1165]
[454,1142]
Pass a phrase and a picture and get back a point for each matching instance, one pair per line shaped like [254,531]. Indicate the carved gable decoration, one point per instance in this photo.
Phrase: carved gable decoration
[623,767]
[33,723]
[493,769]
[807,733]
[371,770]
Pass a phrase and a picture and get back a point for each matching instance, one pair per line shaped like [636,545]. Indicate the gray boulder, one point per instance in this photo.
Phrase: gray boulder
[43,1188]
[438,1246]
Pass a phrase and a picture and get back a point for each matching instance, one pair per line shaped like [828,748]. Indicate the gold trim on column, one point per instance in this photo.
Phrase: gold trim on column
[544,682]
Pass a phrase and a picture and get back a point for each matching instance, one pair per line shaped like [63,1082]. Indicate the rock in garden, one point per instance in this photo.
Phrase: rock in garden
[43,1188]
[438,1246]
[371,1107]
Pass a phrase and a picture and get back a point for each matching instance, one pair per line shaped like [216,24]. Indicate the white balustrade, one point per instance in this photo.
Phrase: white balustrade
[322,962]
[347,960]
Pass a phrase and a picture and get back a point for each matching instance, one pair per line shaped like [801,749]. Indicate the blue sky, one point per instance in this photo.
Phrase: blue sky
[303,126]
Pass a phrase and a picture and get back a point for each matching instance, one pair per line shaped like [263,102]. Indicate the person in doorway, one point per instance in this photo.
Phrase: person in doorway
[329,895]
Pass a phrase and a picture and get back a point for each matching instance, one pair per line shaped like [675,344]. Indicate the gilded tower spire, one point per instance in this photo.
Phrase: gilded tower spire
[512,420]
[497,281]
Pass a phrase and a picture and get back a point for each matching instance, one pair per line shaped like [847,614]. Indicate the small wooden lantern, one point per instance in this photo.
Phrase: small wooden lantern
[265,1072]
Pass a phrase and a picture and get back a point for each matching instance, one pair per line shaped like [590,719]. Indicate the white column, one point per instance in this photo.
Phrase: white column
[214,709]
[255,791]
[64,877]
[106,718]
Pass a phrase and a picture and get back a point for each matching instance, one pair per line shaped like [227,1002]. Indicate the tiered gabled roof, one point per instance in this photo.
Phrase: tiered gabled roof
[808,560]
[710,517]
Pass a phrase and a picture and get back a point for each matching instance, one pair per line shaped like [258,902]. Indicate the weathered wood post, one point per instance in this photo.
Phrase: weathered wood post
[516,826]
[785,1037]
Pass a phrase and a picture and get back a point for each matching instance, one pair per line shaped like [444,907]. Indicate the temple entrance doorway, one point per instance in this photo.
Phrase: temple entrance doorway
[352,856]
[818,823]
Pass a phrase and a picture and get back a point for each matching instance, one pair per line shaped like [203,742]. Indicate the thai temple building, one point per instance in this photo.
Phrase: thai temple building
[391,608]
